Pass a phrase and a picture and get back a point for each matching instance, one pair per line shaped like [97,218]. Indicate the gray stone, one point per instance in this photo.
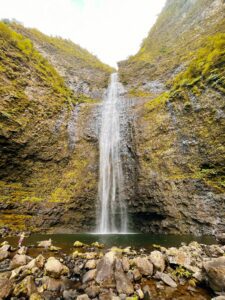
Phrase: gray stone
[158,260]
[215,270]
[54,268]
[166,279]
[90,264]
[19,260]
[89,275]
[144,266]
[83,297]
[45,244]
[105,270]
[5,288]
[123,283]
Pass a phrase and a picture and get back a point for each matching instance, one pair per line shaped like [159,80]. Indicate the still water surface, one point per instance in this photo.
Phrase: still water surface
[65,241]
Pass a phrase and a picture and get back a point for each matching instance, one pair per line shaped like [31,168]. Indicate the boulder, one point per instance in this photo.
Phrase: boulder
[5,288]
[90,264]
[52,284]
[92,291]
[83,297]
[97,245]
[123,284]
[26,287]
[157,260]
[54,268]
[144,265]
[215,270]
[221,238]
[19,260]
[45,244]
[4,254]
[166,279]
[125,263]
[36,296]
[105,270]
[136,274]
[69,294]
[178,257]
[22,250]
[89,275]
[78,244]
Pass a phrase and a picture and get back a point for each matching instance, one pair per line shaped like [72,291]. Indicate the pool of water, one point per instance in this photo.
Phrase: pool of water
[139,240]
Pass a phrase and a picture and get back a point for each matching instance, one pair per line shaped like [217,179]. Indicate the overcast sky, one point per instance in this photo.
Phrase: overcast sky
[110,29]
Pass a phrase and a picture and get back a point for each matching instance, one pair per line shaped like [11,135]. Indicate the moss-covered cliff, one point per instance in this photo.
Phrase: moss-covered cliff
[48,134]
[179,130]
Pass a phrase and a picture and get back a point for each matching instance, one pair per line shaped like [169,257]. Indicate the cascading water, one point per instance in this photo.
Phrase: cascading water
[112,216]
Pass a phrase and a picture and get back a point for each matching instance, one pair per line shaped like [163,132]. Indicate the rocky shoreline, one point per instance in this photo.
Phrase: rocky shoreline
[94,272]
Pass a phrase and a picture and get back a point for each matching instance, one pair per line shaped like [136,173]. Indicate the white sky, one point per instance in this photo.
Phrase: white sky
[110,29]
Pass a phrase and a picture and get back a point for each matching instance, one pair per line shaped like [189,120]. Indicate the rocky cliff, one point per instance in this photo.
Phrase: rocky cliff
[48,130]
[172,126]
[177,80]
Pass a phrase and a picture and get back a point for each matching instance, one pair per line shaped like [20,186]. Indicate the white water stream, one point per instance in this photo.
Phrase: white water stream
[112,215]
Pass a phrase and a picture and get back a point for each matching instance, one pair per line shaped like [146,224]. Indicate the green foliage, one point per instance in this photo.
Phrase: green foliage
[207,67]
[68,47]
[181,272]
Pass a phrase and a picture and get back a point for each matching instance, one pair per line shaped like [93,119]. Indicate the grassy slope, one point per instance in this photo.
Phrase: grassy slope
[196,43]
[69,56]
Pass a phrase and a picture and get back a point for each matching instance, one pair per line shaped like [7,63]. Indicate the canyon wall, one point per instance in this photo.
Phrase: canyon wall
[177,81]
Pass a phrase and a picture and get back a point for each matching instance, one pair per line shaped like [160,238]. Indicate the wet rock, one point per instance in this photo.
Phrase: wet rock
[19,260]
[88,276]
[92,291]
[91,255]
[144,266]
[22,250]
[54,268]
[90,264]
[5,288]
[215,270]
[166,279]
[105,270]
[126,264]
[178,257]
[52,284]
[45,244]
[69,294]
[26,287]
[136,274]
[54,248]
[83,297]
[123,284]
[221,238]
[36,296]
[4,254]
[157,260]
[97,245]
[78,244]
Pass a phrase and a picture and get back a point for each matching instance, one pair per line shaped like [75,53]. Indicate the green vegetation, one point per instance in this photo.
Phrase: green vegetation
[181,272]
[207,67]
[72,49]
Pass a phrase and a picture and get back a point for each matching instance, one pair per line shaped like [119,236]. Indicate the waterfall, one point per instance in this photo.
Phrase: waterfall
[112,216]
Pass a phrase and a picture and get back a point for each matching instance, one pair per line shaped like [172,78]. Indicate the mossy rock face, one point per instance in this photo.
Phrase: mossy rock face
[179,132]
[48,149]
